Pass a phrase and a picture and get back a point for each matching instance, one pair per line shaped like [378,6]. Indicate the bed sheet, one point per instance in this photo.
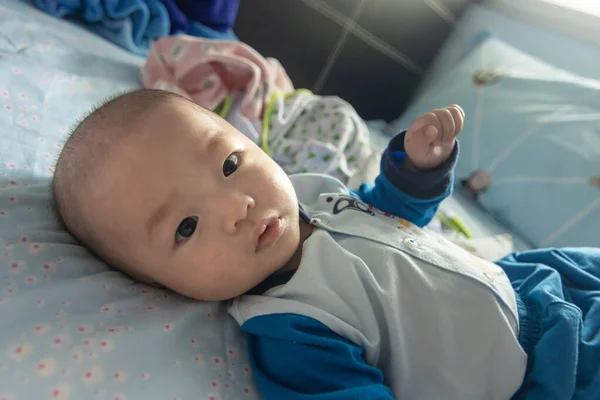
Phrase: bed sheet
[71,327]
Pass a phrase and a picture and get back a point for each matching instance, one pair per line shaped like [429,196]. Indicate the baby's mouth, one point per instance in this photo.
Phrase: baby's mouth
[269,230]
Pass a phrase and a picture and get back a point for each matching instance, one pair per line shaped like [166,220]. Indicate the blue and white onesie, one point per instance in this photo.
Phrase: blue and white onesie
[382,309]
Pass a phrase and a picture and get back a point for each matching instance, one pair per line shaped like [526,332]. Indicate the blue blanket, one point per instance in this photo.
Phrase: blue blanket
[136,24]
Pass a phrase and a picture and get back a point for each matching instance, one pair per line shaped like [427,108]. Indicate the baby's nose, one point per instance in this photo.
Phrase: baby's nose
[236,209]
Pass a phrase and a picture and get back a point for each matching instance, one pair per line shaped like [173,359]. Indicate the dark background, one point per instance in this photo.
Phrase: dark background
[372,53]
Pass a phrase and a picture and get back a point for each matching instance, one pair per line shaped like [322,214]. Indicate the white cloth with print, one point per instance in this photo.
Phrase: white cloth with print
[309,133]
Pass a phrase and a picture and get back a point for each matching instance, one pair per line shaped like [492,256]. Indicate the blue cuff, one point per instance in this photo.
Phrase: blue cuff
[418,184]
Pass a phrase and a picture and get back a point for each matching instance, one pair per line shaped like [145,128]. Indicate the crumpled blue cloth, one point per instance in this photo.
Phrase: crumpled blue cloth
[136,24]
[132,24]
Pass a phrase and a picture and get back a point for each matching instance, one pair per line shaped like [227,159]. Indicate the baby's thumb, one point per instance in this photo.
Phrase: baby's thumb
[430,133]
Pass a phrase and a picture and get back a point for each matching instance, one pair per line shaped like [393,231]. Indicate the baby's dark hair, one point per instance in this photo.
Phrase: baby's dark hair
[88,147]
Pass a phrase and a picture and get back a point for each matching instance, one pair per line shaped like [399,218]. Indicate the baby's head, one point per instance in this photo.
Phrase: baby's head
[171,193]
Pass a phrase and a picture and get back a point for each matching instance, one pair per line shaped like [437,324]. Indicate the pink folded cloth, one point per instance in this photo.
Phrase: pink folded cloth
[207,71]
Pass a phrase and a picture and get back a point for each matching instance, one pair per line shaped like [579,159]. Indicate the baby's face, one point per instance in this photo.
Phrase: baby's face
[192,204]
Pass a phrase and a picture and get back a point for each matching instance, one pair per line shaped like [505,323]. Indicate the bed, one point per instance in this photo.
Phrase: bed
[72,328]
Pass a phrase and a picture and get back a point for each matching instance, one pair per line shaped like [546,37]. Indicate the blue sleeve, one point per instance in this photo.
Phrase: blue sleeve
[407,193]
[294,357]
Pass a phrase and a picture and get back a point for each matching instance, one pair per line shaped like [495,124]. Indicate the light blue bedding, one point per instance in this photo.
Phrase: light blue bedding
[70,327]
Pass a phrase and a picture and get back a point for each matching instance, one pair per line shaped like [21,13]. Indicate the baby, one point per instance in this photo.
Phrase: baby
[341,293]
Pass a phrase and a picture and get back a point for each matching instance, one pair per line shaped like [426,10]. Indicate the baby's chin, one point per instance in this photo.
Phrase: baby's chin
[211,295]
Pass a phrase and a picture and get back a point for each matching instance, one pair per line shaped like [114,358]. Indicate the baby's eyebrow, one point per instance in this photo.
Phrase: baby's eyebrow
[160,213]
[213,141]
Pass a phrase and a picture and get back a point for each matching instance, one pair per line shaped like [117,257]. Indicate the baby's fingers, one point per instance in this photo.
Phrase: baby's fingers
[425,120]
[446,134]
[430,133]
[459,118]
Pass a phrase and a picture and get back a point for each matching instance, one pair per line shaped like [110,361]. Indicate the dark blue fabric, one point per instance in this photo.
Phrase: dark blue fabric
[298,358]
[215,19]
[179,22]
[132,24]
[218,15]
[412,195]
[558,295]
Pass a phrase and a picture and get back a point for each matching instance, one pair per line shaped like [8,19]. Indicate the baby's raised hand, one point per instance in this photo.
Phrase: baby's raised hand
[430,139]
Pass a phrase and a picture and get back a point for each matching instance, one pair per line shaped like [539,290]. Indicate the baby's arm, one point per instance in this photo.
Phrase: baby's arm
[417,167]
[294,357]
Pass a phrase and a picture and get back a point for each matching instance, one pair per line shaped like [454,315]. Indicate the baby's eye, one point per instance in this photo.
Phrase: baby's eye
[186,229]
[230,164]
